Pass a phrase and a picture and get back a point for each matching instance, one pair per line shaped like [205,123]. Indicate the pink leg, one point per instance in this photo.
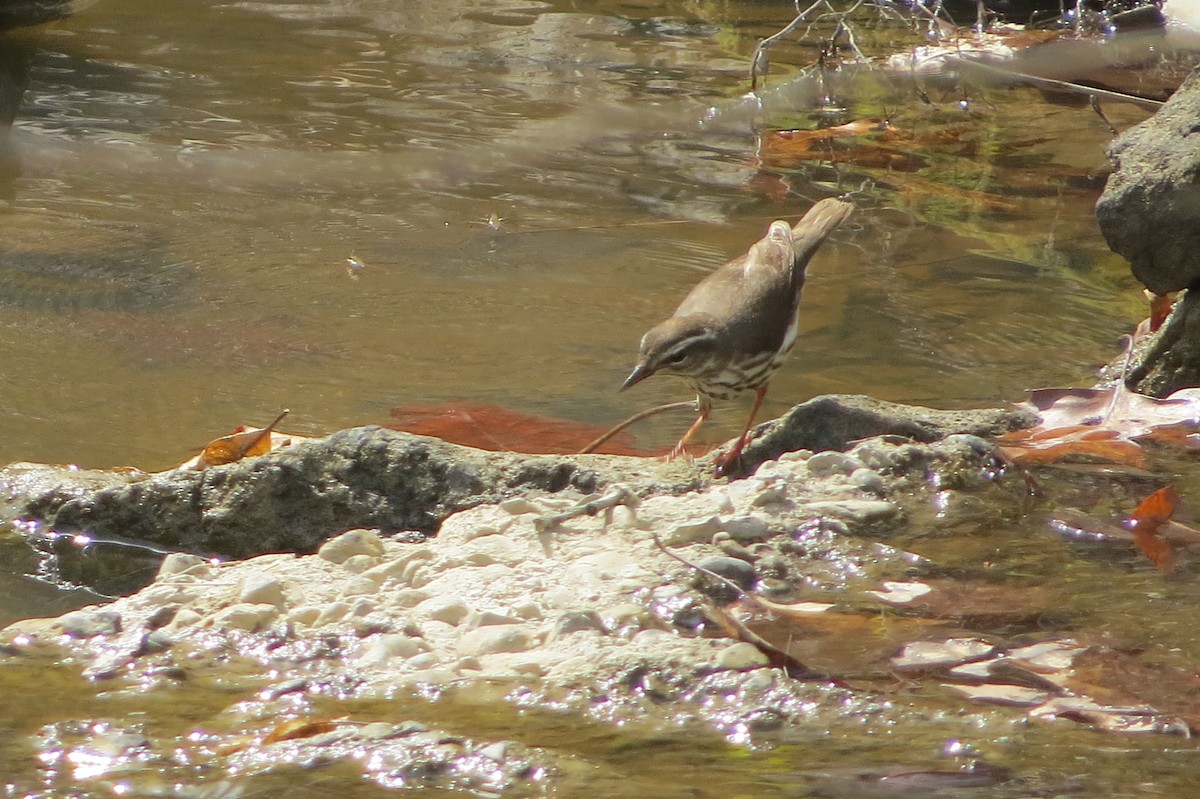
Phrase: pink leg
[680,448]
[731,458]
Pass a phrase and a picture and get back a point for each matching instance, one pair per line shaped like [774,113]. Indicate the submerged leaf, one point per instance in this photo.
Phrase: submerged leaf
[490,427]
[1104,424]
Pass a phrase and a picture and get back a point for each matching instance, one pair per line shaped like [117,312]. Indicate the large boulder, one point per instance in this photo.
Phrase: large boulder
[1150,209]
[1150,214]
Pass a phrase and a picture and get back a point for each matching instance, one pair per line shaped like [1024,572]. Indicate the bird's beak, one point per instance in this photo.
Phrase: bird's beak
[639,373]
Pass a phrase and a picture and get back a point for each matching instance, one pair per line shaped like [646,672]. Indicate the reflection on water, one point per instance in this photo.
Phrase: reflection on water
[193,183]
[527,188]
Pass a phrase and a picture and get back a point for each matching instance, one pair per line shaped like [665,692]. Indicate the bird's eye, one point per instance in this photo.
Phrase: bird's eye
[677,357]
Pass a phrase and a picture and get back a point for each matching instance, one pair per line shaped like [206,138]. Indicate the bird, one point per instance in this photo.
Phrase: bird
[738,324]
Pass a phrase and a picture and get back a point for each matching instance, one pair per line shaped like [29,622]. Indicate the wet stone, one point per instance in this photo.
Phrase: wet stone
[741,657]
[735,570]
[90,623]
[867,480]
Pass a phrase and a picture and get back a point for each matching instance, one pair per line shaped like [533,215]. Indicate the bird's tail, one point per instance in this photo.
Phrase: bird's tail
[821,220]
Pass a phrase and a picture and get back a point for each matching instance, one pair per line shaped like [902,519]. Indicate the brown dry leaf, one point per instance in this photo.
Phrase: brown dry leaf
[974,605]
[1101,424]
[1147,522]
[242,443]
[1160,308]
[1121,682]
[299,728]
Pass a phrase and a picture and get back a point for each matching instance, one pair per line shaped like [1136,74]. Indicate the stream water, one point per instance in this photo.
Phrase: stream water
[214,211]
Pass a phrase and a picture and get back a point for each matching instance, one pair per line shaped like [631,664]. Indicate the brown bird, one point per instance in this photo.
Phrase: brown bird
[737,326]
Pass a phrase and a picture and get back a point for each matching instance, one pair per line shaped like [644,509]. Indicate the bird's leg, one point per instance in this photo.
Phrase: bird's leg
[681,447]
[730,459]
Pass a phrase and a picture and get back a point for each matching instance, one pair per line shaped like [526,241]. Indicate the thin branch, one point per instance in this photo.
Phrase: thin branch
[637,417]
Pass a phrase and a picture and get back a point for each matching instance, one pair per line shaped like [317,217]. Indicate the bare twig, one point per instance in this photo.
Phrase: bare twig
[1141,102]
[1094,101]
[735,628]
[616,495]
[637,417]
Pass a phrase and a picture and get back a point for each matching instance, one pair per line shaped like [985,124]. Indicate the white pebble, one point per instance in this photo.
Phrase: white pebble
[349,544]
[334,611]
[494,639]
[831,462]
[425,660]
[771,495]
[741,657]
[867,480]
[688,532]
[746,528]
[186,617]
[244,616]
[258,588]
[388,647]
[488,618]
[305,616]
[357,564]
[359,586]
[409,597]
[519,505]
[860,511]
[181,563]
[447,609]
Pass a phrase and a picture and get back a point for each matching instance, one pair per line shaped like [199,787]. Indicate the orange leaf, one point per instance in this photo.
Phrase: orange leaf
[1148,519]
[242,443]
[298,728]
[1160,308]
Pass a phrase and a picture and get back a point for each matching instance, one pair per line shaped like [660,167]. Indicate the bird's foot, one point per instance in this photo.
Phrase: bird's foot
[727,463]
[677,451]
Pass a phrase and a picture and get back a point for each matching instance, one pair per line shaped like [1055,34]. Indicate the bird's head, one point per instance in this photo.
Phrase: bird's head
[684,346]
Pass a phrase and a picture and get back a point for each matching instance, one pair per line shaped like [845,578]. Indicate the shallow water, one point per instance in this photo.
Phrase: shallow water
[528,187]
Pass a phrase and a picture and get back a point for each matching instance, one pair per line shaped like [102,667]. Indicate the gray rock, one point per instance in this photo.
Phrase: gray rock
[833,422]
[292,499]
[1151,202]
[90,623]
[735,570]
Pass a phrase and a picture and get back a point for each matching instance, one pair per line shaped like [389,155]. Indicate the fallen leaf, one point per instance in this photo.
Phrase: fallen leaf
[1105,424]
[299,728]
[1148,519]
[1160,308]
[242,443]
[490,427]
